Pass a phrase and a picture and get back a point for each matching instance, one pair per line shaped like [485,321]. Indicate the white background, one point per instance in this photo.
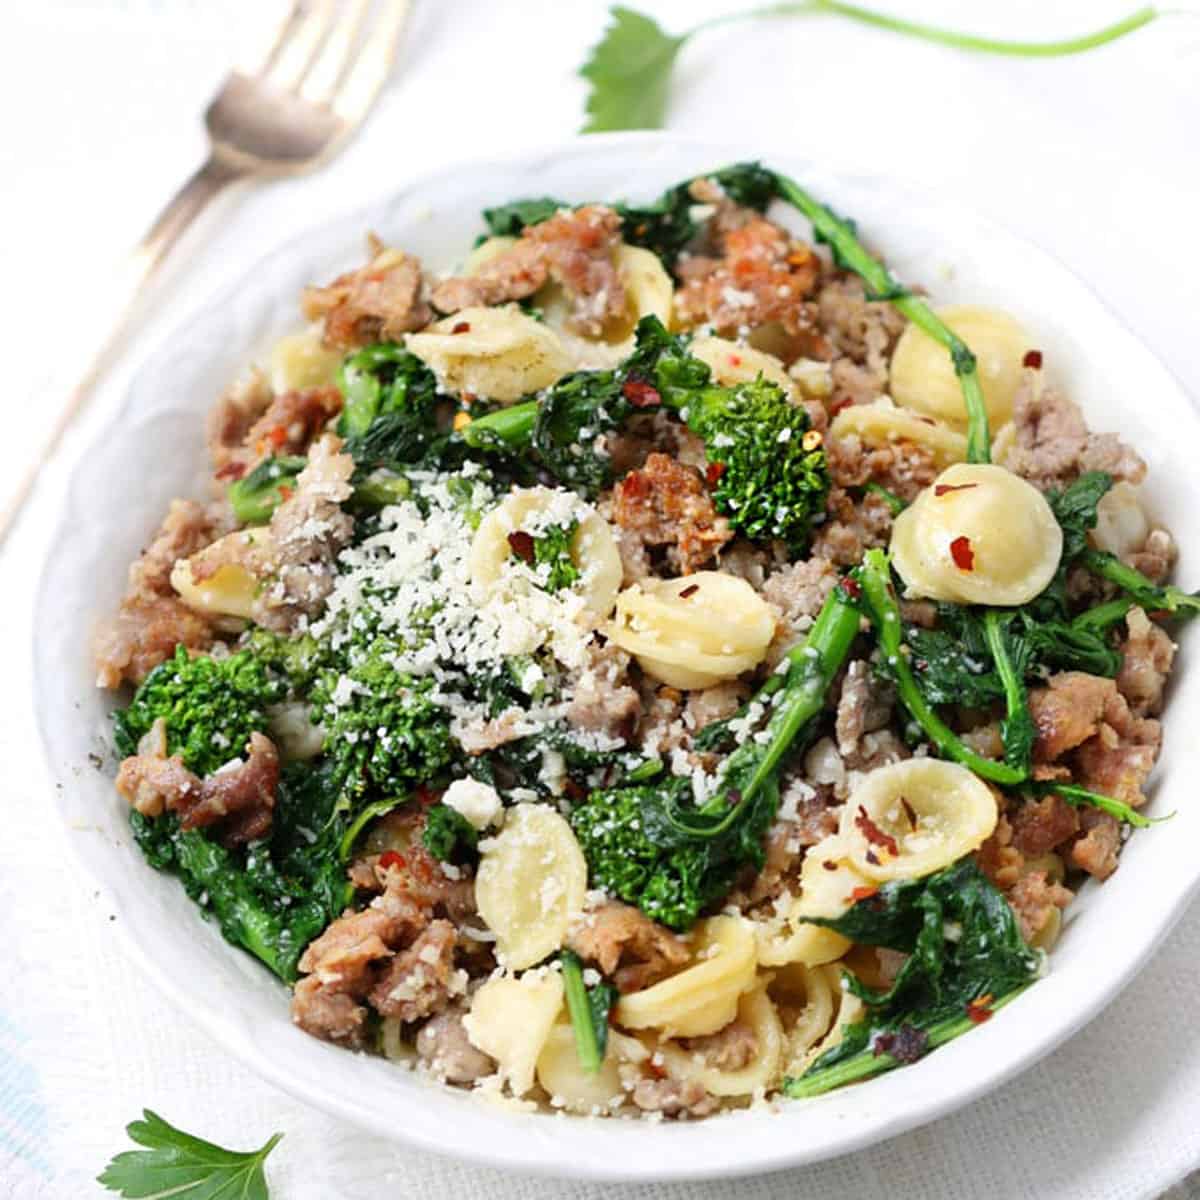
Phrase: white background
[1096,158]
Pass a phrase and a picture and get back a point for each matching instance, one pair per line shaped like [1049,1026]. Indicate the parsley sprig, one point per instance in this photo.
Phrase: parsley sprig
[629,69]
[184,1167]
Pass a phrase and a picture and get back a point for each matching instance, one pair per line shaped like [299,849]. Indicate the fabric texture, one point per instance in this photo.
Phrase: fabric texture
[1066,152]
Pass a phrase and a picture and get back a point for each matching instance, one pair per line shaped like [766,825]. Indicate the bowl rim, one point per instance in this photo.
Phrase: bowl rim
[509,1154]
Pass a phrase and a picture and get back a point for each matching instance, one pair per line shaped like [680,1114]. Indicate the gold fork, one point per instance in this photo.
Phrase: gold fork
[312,91]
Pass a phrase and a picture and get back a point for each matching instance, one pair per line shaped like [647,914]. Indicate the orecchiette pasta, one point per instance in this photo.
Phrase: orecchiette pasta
[511,1017]
[593,550]
[231,589]
[531,881]
[568,1085]
[848,1008]
[293,732]
[912,818]
[757,1013]
[703,997]
[979,535]
[806,999]
[302,360]
[498,354]
[882,422]
[694,631]
[922,373]
[732,363]
[1121,524]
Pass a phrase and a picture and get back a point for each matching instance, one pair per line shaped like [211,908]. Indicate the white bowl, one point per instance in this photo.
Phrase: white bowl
[154,450]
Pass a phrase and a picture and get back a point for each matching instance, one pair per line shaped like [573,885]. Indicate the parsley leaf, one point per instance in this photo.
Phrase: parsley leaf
[630,73]
[184,1167]
[629,69]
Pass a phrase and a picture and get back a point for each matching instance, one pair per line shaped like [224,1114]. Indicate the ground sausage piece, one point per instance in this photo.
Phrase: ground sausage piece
[330,1015]
[602,700]
[239,408]
[308,530]
[288,427]
[864,705]
[1033,899]
[862,334]
[153,783]
[152,620]
[1053,446]
[378,302]
[574,248]
[716,703]
[1096,852]
[627,946]
[442,1044]
[762,276]
[666,504]
[240,799]
[1146,657]
[798,591]
[672,1097]
[1067,712]
[1041,825]
[419,980]
[1118,759]
[904,468]
[1156,556]
[729,1049]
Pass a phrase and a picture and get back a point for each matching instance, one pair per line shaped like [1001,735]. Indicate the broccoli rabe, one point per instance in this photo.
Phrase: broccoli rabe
[448,833]
[210,706]
[383,731]
[258,494]
[552,551]
[649,846]
[769,473]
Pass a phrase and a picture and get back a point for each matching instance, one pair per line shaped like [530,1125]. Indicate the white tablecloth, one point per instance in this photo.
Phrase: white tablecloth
[1094,157]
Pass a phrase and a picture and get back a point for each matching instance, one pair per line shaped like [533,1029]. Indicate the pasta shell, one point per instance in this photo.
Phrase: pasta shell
[979,535]
[732,363]
[499,354]
[302,360]
[881,423]
[922,374]
[931,812]
[511,1017]
[225,579]
[569,1086]
[531,881]
[703,997]
[694,631]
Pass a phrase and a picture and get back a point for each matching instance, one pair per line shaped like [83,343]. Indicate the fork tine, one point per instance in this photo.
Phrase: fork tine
[362,80]
[334,57]
[301,38]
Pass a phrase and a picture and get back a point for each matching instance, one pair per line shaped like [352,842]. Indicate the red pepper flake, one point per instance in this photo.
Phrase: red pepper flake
[712,476]
[963,555]
[1033,358]
[285,492]
[461,327]
[690,590]
[873,833]
[640,393]
[906,1045]
[278,436]
[426,796]
[908,812]
[978,1011]
[521,544]
[635,486]
[231,470]
[942,489]
[862,893]
[829,864]
[735,360]
[851,587]
[391,858]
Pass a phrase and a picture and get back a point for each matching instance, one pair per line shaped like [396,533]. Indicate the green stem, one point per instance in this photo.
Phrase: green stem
[895,505]
[1142,591]
[1104,616]
[949,37]
[882,285]
[868,1063]
[512,427]
[1080,797]
[1016,702]
[882,608]
[587,1045]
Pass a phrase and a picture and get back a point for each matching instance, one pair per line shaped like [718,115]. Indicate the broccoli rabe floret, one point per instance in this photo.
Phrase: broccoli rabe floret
[210,705]
[769,466]
[552,550]
[670,884]
[384,732]
[391,403]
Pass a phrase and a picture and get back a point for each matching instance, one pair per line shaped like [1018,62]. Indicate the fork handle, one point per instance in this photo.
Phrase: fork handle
[126,290]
